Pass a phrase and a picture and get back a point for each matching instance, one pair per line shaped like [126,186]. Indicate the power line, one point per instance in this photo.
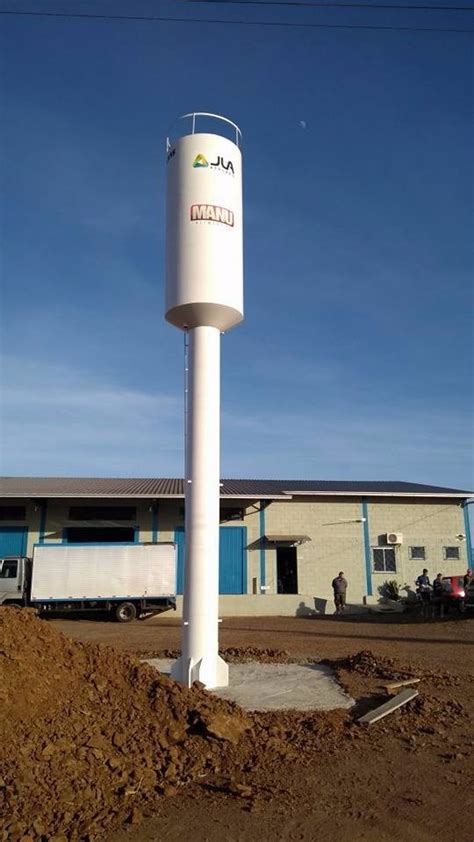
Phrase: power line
[328,5]
[280,24]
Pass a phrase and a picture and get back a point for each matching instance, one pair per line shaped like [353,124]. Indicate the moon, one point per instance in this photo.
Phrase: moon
[303,124]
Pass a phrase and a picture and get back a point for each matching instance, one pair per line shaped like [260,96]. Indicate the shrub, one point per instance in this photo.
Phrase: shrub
[390,589]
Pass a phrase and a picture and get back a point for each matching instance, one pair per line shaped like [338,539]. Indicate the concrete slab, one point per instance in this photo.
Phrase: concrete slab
[261,687]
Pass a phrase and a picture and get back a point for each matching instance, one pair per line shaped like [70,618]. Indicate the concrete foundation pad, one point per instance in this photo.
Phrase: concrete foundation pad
[256,686]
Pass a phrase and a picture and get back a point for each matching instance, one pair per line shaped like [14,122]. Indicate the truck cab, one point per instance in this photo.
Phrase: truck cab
[13,576]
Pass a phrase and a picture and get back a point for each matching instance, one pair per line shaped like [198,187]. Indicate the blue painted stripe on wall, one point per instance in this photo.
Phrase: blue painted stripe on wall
[154,523]
[367,555]
[104,598]
[262,547]
[467,530]
[42,523]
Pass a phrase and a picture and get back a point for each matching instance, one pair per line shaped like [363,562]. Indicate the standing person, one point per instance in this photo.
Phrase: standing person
[438,585]
[423,581]
[438,590]
[339,586]
[467,578]
[423,588]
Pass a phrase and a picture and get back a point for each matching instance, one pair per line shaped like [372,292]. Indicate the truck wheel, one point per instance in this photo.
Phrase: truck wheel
[125,612]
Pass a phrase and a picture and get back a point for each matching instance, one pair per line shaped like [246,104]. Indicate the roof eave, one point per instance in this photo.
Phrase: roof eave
[359,493]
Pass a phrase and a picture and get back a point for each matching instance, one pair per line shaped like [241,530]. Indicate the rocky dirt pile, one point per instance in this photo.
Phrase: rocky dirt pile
[436,708]
[366,665]
[90,737]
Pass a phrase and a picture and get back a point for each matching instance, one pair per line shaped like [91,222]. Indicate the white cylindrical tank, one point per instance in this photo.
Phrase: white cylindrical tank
[204,248]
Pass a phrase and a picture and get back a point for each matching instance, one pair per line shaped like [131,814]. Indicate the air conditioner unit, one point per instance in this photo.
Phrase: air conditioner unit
[394,538]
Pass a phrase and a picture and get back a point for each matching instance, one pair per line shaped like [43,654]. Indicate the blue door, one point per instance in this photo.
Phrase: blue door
[232,559]
[179,539]
[13,540]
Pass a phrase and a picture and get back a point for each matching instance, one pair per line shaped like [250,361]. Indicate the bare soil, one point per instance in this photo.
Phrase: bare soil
[190,766]
[430,644]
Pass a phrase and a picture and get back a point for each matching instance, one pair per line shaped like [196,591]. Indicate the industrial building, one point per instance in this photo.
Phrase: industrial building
[281,541]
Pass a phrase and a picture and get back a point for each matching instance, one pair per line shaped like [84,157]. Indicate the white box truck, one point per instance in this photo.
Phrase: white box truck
[127,580]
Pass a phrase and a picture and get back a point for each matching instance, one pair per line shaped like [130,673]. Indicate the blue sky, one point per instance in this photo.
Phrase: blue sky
[355,357]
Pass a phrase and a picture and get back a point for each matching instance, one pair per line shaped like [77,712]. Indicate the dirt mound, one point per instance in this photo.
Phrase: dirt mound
[91,737]
[241,655]
[235,655]
[365,663]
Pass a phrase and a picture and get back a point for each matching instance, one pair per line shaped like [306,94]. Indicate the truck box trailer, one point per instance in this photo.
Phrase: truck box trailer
[128,580]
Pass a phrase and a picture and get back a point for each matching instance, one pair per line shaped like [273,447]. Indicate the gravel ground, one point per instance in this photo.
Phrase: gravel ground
[407,779]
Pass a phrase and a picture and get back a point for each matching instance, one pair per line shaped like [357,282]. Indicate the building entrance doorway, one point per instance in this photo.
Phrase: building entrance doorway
[287,570]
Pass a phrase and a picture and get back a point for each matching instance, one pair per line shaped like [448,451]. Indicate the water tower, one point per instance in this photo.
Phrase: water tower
[204,297]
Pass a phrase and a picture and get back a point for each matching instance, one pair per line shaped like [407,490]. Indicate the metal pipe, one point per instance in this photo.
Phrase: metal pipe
[200,659]
[186,408]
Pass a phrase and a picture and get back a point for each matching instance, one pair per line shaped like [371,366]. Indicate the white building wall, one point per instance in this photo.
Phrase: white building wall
[336,532]
[433,524]
[333,525]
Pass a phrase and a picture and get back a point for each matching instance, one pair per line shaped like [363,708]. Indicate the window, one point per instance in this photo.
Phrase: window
[99,534]
[417,553]
[384,560]
[9,569]
[231,513]
[12,513]
[226,513]
[102,513]
[451,553]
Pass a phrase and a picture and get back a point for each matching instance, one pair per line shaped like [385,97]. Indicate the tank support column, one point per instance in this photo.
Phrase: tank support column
[200,659]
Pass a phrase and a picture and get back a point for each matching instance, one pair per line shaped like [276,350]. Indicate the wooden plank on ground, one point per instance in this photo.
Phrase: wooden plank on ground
[388,707]
[394,685]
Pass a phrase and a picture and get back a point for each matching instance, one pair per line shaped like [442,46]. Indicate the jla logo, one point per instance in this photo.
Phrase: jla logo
[220,164]
[201,162]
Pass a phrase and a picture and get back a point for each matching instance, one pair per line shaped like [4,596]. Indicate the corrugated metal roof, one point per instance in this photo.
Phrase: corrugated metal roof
[90,487]
[42,487]
[367,487]
[347,487]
